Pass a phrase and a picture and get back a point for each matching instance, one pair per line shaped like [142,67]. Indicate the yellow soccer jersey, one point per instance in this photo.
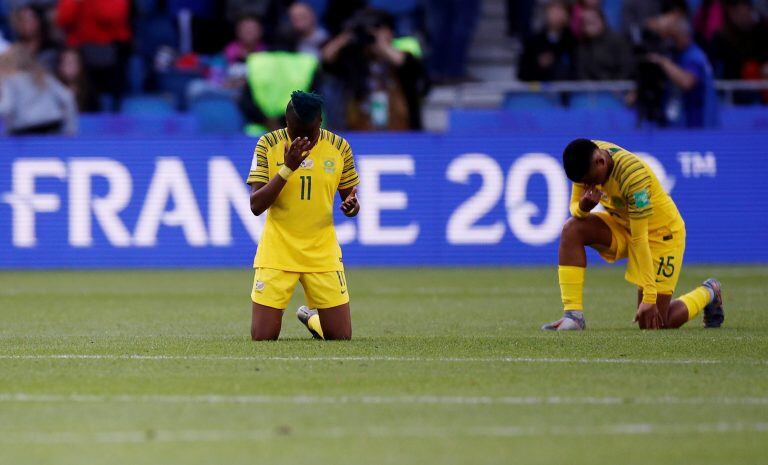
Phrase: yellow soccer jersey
[635,199]
[299,235]
[633,191]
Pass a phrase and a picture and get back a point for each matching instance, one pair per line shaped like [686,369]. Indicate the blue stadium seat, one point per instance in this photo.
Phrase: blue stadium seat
[176,83]
[596,100]
[147,105]
[216,114]
[527,100]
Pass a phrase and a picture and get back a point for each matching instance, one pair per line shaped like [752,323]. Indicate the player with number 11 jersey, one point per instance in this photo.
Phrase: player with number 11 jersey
[295,175]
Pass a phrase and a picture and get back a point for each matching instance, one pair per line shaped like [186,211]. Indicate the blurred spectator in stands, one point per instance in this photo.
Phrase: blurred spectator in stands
[226,72]
[691,100]
[32,32]
[31,100]
[249,38]
[635,14]
[101,31]
[602,54]
[520,17]
[741,47]
[380,80]
[201,24]
[308,34]
[450,28]
[273,14]
[548,54]
[577,14]
[708,20]
[69,70]
[761,6]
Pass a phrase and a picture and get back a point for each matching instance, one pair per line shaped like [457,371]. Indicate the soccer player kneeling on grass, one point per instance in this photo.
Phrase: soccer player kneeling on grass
[641,223]
[295,174]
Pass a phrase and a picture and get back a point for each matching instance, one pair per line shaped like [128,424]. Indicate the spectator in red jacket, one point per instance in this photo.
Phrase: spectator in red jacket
[100,30]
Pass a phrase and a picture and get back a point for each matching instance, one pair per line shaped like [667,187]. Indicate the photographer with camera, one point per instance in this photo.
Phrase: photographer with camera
[377,81]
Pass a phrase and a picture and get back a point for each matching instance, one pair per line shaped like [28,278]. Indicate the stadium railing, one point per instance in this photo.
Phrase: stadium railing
[491,94]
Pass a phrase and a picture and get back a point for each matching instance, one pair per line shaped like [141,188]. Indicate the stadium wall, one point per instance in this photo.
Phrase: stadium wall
[427,199]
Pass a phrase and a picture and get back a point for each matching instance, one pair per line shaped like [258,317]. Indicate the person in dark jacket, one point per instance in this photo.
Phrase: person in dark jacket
[602,54]
[548,54]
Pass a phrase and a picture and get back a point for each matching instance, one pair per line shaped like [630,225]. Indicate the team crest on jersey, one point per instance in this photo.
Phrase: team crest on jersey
[258,286]
[307,164]
[642,199]
[330,166]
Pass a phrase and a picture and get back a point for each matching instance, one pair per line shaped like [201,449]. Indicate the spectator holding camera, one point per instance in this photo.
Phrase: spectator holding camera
[691,100]
[380,81]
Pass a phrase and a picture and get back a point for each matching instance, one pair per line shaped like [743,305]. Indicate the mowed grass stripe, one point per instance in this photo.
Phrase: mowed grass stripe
[506,431]
[378,358]
[377,399]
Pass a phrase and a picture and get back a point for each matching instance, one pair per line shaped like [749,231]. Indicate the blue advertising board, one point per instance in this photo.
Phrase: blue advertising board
[427,199]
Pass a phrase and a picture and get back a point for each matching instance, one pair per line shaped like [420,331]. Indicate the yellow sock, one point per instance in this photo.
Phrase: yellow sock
[571,286]
[696,300]
[314,325]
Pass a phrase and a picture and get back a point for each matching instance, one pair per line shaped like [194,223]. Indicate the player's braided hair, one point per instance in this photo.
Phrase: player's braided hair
[577,158]
[308,106]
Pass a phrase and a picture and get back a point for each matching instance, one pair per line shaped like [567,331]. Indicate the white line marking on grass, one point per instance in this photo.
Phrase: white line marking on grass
[379,432]
[376,400]
[377,358]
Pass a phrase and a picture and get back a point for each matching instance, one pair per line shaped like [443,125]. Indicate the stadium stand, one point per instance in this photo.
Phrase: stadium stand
[162,56]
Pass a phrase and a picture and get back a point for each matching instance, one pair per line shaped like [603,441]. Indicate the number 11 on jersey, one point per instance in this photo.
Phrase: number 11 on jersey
[306,187]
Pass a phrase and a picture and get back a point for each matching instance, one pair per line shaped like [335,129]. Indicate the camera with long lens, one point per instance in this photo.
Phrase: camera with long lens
[651,81]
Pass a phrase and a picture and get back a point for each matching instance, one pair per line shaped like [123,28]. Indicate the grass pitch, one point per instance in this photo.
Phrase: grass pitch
[447,366]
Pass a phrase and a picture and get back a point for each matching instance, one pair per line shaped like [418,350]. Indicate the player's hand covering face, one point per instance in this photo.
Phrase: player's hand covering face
[590,199]
[297,152]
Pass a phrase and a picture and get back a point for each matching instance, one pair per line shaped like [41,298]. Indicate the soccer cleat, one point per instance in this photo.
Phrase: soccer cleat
[569,322]
[304,313]
[713,312]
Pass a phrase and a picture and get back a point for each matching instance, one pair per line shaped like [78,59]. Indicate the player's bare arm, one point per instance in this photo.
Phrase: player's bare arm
[263,195]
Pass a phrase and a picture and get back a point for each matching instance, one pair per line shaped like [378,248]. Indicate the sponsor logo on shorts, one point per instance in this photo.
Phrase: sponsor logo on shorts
[258,286]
